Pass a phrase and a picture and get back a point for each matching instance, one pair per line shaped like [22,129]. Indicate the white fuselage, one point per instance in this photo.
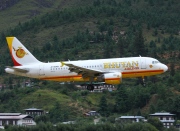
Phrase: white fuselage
[129,67]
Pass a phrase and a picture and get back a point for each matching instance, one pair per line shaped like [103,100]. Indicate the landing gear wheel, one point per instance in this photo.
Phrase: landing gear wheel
[143,82]
[90,87]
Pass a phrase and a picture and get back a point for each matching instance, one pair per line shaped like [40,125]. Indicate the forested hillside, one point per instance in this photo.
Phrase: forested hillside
[57,30]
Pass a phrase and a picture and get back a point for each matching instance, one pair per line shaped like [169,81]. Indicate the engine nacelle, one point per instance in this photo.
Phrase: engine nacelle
[111,78]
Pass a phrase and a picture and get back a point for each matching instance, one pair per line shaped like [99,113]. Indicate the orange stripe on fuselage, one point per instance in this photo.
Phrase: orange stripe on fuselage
[140,73]
[130,74]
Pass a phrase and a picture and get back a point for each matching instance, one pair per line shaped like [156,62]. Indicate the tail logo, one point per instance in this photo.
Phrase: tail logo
[20,53]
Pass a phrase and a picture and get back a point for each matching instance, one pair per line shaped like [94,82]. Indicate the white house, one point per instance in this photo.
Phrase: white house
[16,119]
[165,117]
[130,119]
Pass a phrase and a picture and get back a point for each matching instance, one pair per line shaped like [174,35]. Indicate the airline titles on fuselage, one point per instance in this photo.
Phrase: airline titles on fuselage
[127,65]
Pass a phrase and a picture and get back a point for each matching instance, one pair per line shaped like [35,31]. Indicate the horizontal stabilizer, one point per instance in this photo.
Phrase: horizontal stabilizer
[19,69]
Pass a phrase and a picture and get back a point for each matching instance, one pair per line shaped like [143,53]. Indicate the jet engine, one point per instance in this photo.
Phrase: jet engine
[110,78]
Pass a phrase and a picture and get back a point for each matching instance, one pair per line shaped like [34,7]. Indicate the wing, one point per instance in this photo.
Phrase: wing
[85,72]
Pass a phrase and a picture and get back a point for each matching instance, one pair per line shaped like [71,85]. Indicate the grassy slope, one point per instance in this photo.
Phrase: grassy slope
[44,99]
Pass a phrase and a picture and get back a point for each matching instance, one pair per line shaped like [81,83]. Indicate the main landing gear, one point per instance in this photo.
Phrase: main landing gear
[90,87]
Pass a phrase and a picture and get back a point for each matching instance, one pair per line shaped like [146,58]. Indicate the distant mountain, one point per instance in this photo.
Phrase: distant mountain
[4,4]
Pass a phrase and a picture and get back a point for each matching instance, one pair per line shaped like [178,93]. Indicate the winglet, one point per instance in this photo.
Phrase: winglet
[62,64]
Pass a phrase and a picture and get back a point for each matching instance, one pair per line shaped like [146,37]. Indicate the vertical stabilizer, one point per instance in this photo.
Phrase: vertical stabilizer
[20,55]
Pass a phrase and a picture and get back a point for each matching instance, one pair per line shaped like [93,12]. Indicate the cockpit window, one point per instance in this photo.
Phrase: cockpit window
[155,62]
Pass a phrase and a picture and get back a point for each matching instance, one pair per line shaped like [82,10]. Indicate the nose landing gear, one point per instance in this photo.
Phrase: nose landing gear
[143,81]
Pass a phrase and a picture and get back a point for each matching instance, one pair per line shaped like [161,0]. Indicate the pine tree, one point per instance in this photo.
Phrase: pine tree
[103,107]
[121,46]
[121,104]
[139,47]
[172,69]
[139,112]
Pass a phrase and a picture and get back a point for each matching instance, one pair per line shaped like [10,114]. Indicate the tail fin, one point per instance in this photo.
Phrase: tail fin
[20,55]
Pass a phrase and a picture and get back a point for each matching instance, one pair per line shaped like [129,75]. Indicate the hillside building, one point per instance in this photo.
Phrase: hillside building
[34,112]
[165,117]
[129,119]
[98,87]
[16,119]
[92,113]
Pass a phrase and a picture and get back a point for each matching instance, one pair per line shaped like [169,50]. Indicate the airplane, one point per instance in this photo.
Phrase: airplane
[107,71]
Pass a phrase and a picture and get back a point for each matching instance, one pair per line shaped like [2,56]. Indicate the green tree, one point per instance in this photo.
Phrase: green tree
[58,114]
[176,105]
[151,2]
[121,46]
[139,112]
[103,107]
[42,118]
[121,103]
[172,69]
[156,122]
[107,50]
[138,126]
[139,47]
[155,33]
[152,108]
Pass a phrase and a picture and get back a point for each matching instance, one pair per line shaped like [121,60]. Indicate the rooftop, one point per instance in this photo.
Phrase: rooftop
[131,117]
[33,109]
[162,114]
[92,112]
[15,117]
[10,114]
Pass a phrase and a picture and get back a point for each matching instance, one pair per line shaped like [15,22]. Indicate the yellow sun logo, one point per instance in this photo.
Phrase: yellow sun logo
[20,53]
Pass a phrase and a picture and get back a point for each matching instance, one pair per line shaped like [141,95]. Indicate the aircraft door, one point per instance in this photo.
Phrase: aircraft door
[41,70]
[143,63]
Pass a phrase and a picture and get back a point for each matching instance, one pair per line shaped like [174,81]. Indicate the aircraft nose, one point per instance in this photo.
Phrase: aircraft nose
[165,68]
